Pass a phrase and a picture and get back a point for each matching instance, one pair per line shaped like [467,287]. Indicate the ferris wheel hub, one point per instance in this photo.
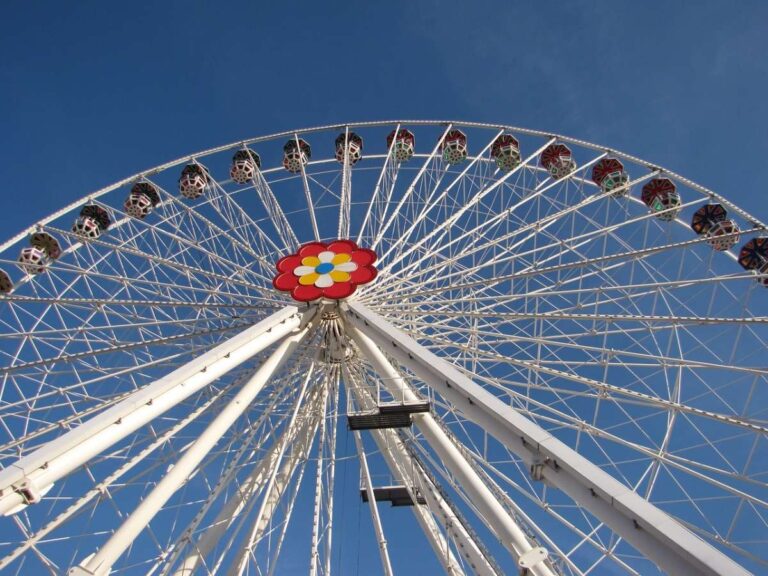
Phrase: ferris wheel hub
[320,270]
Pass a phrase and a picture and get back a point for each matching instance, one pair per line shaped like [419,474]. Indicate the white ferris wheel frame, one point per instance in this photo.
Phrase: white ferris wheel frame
[661,538]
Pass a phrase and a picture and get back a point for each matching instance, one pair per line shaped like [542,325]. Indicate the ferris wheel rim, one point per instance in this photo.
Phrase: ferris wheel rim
[365,296]
[373,124]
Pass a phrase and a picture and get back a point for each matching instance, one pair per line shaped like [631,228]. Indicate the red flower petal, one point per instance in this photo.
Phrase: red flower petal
[311,249]
[288,263]
[363,257]
[339,290]
[363,275]
[306,293]
[342,246]
[285,281]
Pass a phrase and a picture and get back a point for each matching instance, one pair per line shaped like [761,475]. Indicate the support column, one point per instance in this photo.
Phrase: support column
[386,565]
[101,563]
[656,534]
[399,462]
[249,488]
[22,482]
[491,510]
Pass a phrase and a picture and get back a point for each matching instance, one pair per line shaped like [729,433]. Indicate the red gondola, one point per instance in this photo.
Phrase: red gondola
[610,175]
[142,200]
[296,154]
[244,166]
[193,181]
[506,152]
[354,148]
[93,220]
[662,198]
[454,147]
[405,143]
[558,160]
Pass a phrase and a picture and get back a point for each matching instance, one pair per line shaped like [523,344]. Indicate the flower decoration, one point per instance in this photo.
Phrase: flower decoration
[320,270]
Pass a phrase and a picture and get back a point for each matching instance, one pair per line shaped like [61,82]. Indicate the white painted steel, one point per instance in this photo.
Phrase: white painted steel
[59,457]
[492,512]
[246,491]
[101,562]
[617,331]
[660,537]
[386,564]
[407,470]
[403,471]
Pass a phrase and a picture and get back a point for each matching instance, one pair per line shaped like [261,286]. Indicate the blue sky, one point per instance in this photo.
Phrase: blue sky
[95,91]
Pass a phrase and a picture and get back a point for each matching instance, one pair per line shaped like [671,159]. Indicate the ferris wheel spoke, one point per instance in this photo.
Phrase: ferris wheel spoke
[108,483]
[278,478]
[606,389]
[562,245]
[77,356]
[473,200]
[87,303]
[490,510]
[433,201]
[585,263]
[387,180]
[105,557]
[43,467]
[532,228]
[427,372]
[410,190]
[594,353]
[245,229]
[404,470]
[280,221]
[251,446]
[345,200]
[495,220]
[307,193]
[186,220]
[158,241]
[696,468]
[188,269]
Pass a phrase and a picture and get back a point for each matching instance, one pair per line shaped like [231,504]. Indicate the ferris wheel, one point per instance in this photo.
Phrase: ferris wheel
[508,351]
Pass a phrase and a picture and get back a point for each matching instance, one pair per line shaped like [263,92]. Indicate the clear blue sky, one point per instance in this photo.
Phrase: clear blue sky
[94,91]
[91,92]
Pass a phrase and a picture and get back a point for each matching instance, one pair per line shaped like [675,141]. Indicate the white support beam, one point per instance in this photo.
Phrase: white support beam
[405,471]
[386,565]
[492,512]
[34,474]
[249,487]
[101,562]
[654,533]
[278,484]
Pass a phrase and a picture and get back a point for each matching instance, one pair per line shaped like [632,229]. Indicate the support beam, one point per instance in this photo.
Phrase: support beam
[407,472]
[36,472]
[279,479]
[492,512]
[252,484]
[100,563]
[655,534]
[386,565]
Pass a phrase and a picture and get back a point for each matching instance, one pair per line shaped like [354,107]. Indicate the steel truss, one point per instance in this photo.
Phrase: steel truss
[584,372]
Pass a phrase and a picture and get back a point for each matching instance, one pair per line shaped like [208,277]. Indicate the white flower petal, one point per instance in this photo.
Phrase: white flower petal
[303,270]
[346,267]
[324,281]
[326,256]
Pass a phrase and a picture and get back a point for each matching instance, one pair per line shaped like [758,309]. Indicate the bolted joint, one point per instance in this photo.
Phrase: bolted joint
[532,558]
[537,468]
